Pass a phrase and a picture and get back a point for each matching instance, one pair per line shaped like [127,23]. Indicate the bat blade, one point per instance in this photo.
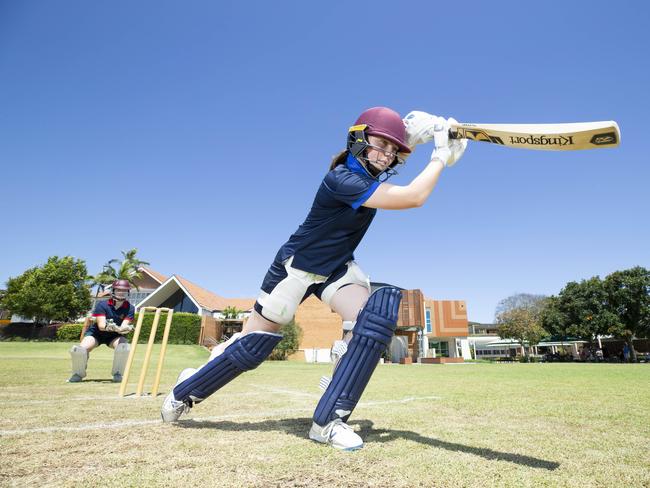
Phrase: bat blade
[545,137]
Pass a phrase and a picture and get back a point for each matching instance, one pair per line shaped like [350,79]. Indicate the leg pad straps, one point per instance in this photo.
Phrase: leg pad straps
[246,353]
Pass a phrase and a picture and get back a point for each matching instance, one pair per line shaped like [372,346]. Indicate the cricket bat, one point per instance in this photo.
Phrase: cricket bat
[545,137]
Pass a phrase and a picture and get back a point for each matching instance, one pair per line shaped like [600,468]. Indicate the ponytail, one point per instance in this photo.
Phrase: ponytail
[339,159]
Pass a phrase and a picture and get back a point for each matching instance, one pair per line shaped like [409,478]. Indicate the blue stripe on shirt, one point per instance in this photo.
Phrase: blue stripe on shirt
[367,194]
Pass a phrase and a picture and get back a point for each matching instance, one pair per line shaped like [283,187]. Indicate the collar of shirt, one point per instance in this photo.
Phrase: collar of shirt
[355,166]
[125,303]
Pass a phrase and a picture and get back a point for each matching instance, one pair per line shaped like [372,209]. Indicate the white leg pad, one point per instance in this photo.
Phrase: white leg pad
[281,304]
[120,356]
[339,348]
[79,357]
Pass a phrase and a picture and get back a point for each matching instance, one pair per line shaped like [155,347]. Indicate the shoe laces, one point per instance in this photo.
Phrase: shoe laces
[180,407]
[327,430]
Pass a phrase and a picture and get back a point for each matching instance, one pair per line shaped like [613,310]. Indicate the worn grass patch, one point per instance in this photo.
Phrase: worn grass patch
[423,425]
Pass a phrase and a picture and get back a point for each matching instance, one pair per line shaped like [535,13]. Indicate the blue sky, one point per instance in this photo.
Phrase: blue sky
[199,131]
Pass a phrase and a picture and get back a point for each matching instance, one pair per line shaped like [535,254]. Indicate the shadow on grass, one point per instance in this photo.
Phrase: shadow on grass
[369,434]
[300,426]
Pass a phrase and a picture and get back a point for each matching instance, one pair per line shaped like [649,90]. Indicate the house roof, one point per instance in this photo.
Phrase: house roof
[204,298]
[159,277]
[212,301]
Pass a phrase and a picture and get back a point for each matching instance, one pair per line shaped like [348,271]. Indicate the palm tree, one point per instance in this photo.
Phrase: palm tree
[128,269]
[231,312]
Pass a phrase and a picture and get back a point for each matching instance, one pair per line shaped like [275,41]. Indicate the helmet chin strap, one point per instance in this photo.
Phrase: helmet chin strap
[357,147]
[363,163]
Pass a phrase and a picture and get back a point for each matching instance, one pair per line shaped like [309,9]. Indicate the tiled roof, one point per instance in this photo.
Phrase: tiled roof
[154,274]
[212,301]
[160,278]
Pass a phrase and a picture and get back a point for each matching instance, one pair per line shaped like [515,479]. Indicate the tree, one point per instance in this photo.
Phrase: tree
[291,335]
[526,301]
[518,317]
[628,294]
[231,312]
[581,310]
[55,291]
[128,269]
[521,324]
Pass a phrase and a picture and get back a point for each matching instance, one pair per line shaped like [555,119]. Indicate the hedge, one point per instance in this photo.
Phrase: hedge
[69,332]
[27,331]
[185,329]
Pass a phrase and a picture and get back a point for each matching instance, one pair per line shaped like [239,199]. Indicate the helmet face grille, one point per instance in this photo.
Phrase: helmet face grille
[358,144]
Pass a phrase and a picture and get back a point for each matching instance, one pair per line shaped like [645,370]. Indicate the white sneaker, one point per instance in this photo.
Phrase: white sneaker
[172,409]
[338,434]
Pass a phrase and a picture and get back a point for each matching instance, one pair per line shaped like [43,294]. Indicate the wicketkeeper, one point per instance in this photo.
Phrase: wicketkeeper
[111,321]
[318,259]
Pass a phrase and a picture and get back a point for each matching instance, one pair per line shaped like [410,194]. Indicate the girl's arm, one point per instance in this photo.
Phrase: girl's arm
[395,197]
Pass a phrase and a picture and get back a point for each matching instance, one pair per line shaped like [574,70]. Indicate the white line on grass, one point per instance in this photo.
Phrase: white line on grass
[132,423]
[365,404]
[285,391]
[19,402]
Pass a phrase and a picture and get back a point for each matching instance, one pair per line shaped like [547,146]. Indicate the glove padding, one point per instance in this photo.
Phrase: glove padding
[420,127]
[125,329]
[120,329]
[448,151]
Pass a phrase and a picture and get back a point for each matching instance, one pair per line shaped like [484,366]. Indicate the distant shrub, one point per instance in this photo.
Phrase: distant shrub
[291,333]
[69,332]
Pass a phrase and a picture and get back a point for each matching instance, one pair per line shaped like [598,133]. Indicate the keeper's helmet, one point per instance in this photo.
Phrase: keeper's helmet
[120,290]
[381,122]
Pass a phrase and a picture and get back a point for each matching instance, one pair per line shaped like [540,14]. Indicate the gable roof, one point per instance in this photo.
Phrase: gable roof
[155,275]
[159,277]
[212,301]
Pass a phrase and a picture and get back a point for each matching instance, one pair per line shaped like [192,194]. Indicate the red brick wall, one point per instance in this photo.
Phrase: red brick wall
[320,326]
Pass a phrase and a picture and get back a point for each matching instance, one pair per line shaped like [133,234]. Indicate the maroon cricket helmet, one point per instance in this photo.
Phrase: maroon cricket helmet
[386,123]
[121,284]
[120,289]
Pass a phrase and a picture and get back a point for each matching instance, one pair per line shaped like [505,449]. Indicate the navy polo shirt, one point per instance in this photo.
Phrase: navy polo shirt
[107,309]
[336,222]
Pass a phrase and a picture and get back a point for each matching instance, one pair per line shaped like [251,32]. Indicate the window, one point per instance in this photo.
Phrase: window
[441,347]
[428,320]
[136,297]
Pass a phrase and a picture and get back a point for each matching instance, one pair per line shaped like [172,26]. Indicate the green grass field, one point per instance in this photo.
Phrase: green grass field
[424,425]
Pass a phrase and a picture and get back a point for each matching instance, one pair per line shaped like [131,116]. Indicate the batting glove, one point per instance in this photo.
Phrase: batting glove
[420,127]
[447,151]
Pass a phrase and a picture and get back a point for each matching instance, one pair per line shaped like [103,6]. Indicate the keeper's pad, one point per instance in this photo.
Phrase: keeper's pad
[244,354]
[120,356]
[372,334]
[79,357]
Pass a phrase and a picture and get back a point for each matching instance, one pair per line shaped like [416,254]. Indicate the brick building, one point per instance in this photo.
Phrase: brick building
[427,330]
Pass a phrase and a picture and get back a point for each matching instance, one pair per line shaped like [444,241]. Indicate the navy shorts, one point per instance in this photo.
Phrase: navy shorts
[101,337]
